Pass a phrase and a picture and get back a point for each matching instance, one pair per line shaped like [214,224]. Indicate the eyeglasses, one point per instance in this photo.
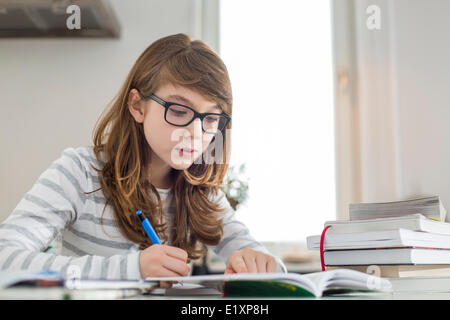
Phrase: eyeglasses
[181,116]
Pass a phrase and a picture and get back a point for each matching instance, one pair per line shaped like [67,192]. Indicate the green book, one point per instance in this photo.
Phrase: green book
[278,284]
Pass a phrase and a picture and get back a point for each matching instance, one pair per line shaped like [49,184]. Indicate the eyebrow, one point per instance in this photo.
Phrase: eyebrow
[189,103]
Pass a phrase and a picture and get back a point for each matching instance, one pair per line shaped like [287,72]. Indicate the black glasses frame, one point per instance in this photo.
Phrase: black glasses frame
[199,115]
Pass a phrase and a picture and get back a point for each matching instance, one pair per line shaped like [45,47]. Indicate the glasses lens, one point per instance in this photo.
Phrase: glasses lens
[179,115]
[214,122]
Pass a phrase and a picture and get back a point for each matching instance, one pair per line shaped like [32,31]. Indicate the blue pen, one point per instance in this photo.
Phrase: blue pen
[148,228]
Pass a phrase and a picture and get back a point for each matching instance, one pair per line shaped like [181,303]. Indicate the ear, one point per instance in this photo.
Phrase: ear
[136,106]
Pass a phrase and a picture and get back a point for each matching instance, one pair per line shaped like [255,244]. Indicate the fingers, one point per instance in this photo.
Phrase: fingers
[229,270]
[251,261]
[261,263]
[175,252]
[236,264]
[162,272]
[265,263]
[179,267]
[175,260]
[271,265]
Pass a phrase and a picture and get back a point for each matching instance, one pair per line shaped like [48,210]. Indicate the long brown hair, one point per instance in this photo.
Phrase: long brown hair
[178,60]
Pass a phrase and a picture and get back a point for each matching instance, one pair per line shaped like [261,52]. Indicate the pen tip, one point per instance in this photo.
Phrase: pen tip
[138,212]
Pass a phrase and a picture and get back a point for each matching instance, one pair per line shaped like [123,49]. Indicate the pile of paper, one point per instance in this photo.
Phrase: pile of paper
[430,207]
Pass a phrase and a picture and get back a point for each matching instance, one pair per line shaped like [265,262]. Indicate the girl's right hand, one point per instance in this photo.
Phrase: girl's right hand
[161,260]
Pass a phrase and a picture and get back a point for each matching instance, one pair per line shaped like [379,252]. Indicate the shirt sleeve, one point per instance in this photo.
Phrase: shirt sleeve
[51,205]
[236,235]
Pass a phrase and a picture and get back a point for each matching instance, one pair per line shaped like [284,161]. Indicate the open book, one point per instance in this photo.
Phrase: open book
[283,284]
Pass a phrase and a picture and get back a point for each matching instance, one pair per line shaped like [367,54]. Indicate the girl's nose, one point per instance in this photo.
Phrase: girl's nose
[196,128]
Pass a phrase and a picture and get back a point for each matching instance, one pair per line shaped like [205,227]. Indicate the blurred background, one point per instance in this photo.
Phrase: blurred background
[334,101]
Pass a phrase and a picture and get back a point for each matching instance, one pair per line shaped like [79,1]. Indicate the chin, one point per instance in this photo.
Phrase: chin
[184,163]
[181,166]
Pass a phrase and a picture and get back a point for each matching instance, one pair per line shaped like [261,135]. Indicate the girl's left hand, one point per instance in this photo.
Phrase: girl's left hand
[249,260]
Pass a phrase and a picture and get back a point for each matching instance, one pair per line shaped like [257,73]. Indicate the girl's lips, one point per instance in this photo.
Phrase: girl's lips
[186,151]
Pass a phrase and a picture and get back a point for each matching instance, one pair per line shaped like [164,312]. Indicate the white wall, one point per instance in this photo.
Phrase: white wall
[53,90]
[400,100]
[422,55]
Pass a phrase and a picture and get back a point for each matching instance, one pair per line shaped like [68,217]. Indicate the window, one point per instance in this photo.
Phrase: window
[279,58]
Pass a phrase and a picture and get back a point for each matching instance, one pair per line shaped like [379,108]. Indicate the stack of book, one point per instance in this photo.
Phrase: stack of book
[395,240]
[431,207]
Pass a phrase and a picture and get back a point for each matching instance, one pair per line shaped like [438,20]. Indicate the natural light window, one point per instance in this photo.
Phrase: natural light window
[279,58]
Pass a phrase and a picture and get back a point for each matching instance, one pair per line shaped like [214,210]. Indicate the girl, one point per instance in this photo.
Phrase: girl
[152,152]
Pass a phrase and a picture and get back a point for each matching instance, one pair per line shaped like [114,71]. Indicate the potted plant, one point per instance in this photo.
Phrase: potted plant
[235,186]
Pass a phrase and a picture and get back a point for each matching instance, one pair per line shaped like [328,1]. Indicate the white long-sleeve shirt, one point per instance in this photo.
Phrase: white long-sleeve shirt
[56,208]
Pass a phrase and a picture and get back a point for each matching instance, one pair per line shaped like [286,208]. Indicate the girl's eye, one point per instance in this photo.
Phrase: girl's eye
[212,119]
[177,111]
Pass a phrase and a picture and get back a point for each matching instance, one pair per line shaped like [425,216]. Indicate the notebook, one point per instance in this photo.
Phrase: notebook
[55,279]
[38,278]
[284,284]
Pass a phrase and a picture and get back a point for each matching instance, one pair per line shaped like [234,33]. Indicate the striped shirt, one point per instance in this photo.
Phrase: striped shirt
[88,243]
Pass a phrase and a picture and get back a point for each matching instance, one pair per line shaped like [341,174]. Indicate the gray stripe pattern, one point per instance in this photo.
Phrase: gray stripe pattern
[92,158]
[80,191]
[99,241]
[56,188]
[75,159]
[230,238]
[4,243]
[11,258]
[74,249]
[91,174]
[69,176]
[26,263]
[42,221]
[251,245]
[25,232]
[47,265]
[104,271]
[98,221]
[95,180]
[65,215]
[87,267]
[83,197]
[123,267]
[96,199]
